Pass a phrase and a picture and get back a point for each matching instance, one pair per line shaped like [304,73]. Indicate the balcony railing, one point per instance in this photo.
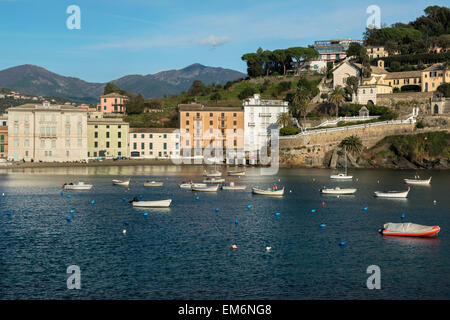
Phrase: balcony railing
[222,118]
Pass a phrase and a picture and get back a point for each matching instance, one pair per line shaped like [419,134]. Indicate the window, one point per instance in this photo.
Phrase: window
[211,123]
[165,146]
[27,143]
[42,143]
[134,135]
[67,153]
[16,129]
[95,134]
[79,142]
[107,134]
[151,145]
[107,144]
[16,142]
[187,122]
[142,146]
[42,117]
[235,115]
[67,131]
[67,143]
[142,136]
[134,145]
[119,145]
[210,114]
[80,131]
[165,136]
[53,118]
[27,130]
[187,114]
[67,118]
[119,134]
[95,144]
[151,136]
[53,143]
[27,117]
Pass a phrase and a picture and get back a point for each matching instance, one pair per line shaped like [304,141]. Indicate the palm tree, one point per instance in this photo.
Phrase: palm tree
[284,119]
[352,144]
[299,103]
[337,98]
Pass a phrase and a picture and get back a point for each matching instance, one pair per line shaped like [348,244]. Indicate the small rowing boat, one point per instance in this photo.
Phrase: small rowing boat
[417,181]
[213,188]
[152,204]
[338,190]
[392,194]
[153,184]
[121,182]
[274,192]
[189,185]
[409,230]
[77,186]
[236,173]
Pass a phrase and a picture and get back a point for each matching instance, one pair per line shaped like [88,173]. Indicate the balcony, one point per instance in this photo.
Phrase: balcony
[222,118]
[198,118]
[47,136]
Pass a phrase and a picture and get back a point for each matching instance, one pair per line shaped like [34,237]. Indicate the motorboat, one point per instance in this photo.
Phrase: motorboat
[409,230]
[392,194]
[153,184]
[121,182]
[189,185]
[232,186]
[338,190]
[214,180]
[152,204]
[213,188]
[77,186]
[417,181]
[269,192]
[213,174]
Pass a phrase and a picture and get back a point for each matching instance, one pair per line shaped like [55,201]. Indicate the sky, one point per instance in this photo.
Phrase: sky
[118,37]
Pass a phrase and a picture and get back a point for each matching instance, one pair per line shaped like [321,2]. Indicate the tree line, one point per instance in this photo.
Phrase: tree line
[276,62]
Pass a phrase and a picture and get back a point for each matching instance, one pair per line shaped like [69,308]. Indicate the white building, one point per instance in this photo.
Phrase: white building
[260,117]
[367,94]
[153,143]
[47,133]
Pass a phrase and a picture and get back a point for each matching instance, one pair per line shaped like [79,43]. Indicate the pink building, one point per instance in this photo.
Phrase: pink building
[112,103]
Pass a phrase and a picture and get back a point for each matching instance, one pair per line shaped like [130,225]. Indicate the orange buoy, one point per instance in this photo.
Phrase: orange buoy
[323,204]
[234,246]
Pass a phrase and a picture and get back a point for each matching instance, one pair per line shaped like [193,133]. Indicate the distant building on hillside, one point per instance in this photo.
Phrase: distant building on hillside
[331,50]
[112,103]
[3,136]
[375,52]
[47,133]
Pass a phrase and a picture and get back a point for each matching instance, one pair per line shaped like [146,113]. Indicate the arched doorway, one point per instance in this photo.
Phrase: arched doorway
[436,109]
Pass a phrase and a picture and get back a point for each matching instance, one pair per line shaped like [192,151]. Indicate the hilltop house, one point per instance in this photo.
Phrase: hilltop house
[112,103]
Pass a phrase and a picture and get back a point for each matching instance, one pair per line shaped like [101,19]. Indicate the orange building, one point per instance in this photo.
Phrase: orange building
[3,137]
[211,127]
[112,103]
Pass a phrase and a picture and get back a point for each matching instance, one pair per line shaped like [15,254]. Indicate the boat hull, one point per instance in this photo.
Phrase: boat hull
[417,182]
[152,204]
[339,177]
[338,192]
[234,187]
[409,230]
[153,184]
[271,193]
[237,173]
[121,183]
[397,195]
[85,187]
[206,189]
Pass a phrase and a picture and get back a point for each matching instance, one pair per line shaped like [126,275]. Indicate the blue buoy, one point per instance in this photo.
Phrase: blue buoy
[197,198]
[93,201]
[217,209]
[140,196]
[62,193]
[71,211]
[277,213]
[403,216]
[342,243]
[365,209]
[146,214]
[323,225]
[236,221]
[69,196]
[126,223]
[68,218]
[124,199]
[249,207]
[313,210]
[9,213]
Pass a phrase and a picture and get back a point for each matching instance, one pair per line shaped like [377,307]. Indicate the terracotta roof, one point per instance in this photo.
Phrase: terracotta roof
[404,74]
[435,67]
[375,69]
[152,130]
[199,107]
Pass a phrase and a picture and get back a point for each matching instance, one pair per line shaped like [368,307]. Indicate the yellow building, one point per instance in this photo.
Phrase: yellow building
[107,137]
[433,76]
[214,127]
[375,52]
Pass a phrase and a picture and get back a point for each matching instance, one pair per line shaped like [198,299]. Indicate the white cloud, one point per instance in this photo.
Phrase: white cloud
[214,41]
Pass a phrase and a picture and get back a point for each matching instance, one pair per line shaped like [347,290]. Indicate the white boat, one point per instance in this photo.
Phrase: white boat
[153,204]
[77,186]
[214,180]
[418,181]
[121,182]
[392,194]
[269,191]
[232,186]
[338,190]
[153,184]
[236,173]
[189,185]
[213,188]
[213,174]
[342,176]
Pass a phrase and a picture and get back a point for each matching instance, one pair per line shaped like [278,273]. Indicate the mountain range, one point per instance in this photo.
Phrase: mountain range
[37,81]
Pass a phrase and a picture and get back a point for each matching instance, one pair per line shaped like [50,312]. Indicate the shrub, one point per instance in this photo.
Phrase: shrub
[410,88]
[289,131]
[246,93]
